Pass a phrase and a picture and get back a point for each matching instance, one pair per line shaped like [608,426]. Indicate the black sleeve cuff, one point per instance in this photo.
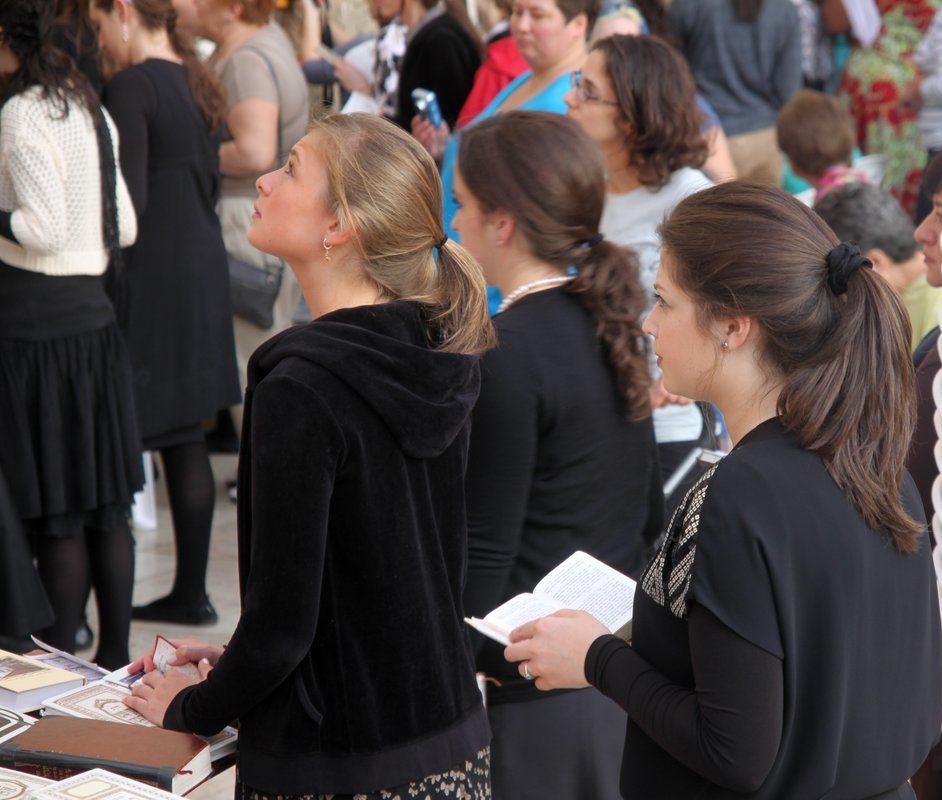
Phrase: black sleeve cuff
[6,226]
[173,716]
[612,667]
[600,646]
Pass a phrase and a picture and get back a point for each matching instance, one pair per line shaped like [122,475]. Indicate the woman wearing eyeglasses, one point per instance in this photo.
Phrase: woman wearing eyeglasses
[551,36]
[635,97]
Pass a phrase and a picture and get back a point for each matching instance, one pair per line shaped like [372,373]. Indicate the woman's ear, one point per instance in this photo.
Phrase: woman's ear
[339,234]
[735,331]
[580,25]
[123,10]
[502,227]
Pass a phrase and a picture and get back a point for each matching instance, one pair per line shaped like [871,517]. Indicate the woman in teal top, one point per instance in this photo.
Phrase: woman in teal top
[551,36]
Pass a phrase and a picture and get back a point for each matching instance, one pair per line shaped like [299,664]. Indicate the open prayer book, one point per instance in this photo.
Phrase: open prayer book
[581,582]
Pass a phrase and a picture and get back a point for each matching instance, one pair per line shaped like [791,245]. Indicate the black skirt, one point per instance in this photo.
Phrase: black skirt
[70,443]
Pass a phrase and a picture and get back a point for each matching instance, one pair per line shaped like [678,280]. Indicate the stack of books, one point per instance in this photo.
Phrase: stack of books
[86,726]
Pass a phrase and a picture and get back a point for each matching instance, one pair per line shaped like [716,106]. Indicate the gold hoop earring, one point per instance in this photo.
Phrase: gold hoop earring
[327,247]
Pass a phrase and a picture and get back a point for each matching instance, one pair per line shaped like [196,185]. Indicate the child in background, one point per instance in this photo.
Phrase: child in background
[817,135]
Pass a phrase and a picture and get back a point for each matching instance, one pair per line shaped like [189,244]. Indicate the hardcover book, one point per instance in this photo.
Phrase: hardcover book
[104,700]
[25,683]
[59,747]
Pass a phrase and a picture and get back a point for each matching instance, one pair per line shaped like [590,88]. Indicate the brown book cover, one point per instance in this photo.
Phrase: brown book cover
[58,747]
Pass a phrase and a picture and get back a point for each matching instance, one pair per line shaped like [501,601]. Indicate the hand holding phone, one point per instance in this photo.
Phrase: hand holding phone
[426,105]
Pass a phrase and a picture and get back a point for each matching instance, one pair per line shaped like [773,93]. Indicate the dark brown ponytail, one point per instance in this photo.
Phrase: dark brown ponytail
[556,193]
[207,90]
[835,334]
[157,15]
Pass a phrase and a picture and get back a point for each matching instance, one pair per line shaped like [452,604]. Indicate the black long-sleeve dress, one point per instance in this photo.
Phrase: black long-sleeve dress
[781,648]
[554,467]
[179,326]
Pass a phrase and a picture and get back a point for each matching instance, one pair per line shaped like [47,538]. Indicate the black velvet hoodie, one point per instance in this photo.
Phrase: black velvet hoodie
[350,669]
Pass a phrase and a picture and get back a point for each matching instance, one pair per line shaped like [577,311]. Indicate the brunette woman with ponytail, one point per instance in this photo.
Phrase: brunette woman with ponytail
[350,668]
[563,456]
[786,637]
[169,110]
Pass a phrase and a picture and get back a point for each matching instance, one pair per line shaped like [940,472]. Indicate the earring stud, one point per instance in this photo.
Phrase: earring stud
[327,247]
[725,345]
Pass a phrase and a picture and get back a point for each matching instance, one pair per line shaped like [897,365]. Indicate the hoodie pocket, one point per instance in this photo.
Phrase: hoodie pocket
[304,696]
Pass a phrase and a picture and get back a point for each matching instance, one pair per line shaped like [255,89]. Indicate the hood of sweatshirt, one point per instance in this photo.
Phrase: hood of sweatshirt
[505,58]
[384,355]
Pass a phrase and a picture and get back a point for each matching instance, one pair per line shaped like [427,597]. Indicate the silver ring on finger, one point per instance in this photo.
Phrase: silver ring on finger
[526,671]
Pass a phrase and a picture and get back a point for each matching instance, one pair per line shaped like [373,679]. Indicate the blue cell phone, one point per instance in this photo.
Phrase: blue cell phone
[426,104]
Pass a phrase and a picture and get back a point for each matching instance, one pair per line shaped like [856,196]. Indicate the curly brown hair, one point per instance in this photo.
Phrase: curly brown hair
[557,209]
[656,96]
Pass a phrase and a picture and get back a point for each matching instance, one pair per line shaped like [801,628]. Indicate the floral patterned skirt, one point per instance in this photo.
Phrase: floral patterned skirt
[468,781]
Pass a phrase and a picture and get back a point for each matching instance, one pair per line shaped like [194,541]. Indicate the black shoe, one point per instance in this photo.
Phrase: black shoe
[167,609]
[83,636]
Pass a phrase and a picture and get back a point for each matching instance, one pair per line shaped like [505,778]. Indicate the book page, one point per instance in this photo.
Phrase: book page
[585,583]
[67,661]
[163,652]
[520,609]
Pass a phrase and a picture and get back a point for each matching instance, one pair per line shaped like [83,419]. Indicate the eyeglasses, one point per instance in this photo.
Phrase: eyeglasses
[583,92]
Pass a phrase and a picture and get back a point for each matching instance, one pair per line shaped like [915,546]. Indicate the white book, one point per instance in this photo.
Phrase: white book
[581,582]
[99,784]
[26,683]
[15,785]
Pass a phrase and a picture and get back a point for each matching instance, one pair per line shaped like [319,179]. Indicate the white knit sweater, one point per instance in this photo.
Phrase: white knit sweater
[51,181]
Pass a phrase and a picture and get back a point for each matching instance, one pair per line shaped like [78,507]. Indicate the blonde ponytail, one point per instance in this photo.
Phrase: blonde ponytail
[375,170]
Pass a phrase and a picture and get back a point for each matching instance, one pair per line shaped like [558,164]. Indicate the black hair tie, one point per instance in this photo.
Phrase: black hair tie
[842,262]
[444,239]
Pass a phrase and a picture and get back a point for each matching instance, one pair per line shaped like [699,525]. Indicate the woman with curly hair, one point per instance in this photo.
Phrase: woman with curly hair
[636,98]
[562,454]
[71,448]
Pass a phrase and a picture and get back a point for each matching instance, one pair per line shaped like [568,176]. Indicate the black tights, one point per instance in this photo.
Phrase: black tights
[192,495]
[64,565]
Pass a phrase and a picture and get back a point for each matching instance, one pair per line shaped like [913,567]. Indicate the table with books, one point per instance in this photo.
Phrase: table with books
[62,717]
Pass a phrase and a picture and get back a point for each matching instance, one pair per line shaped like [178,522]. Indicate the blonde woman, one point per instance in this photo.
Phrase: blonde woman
[350,669]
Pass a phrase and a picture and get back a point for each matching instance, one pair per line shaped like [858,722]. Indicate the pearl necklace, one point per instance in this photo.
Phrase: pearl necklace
[556,280]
